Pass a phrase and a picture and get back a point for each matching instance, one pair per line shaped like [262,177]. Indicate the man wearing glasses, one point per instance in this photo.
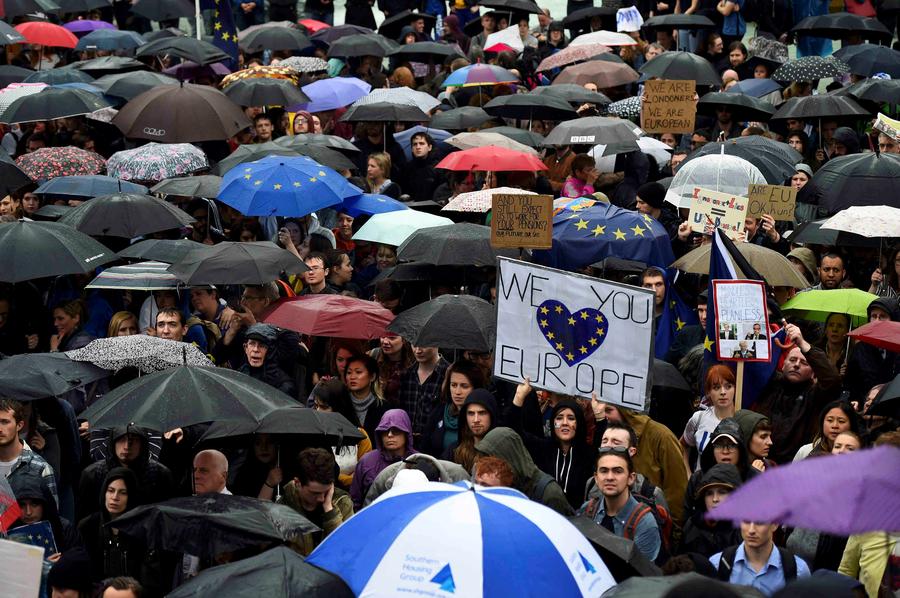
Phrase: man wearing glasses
[314,279]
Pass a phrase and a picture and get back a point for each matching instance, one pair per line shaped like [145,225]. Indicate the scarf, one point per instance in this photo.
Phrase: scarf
[362,407]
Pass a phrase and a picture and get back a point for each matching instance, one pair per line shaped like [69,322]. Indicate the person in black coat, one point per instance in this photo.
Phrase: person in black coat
[259,340]
[704,536]
[421,178]
[37,504]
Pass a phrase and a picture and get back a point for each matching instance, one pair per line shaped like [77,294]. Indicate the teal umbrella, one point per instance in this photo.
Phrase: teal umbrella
[393,228]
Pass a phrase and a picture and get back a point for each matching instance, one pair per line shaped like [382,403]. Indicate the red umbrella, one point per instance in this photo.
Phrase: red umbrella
[491,158]
[331,315]
[47,34]
[884,334]
[313,25]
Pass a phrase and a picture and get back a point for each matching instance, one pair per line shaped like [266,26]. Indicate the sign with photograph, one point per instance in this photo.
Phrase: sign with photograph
[742,320]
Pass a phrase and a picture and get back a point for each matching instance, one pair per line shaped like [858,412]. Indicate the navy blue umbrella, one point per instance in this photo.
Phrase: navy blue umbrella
[86,186]
[110,39]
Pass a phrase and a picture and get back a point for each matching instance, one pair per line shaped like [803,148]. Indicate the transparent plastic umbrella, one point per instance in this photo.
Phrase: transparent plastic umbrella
[720,172]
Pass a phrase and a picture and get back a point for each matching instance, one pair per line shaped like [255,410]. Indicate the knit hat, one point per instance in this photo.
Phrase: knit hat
[653,194]
[804,168]
[806,257]
[71,572]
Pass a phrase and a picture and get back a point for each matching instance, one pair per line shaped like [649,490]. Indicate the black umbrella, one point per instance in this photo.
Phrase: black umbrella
[10,35]
[620,555]
[182,113]
[460,244]
[521,135]
[875,90]
[11,176]
[858,180]
[51,103]
[869,59]
[310,426]
[132,84]
[126,215]
[107,65]
[363,44]
[30,250]
[682,65]
[206,185]
[658,586]
[810,68]
[393,25]
[184,396]
[163,10]
[274,38]
[812,233]
[774,159]
[252,152]
[188,48]
[581,18]
[819,106]
[574,94]
[841,25]
[887,401]
[280,571]
[81,5]
[741,106]
[318,140]
[264,91]
[13,74]
[39,375]
[168,251]
[666,376]
[594,130]
[426,52]
[236,263]
[59,76]
[211,524]
[18,8]
[517,6]
[152,36]
[459,119]
[529,107]
[52,212]
[330,35]
[450,322]
[384,112]
[681,21]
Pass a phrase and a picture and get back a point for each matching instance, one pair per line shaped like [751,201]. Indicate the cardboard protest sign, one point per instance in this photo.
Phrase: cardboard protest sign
[20,569]
[776,200]
[742,320]
[574,334]
[522,221]
[711,210]
[669,106]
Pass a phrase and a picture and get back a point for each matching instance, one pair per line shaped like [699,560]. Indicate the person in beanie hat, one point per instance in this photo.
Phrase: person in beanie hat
[71,573]
[704,536]
[651,201]
[258,342]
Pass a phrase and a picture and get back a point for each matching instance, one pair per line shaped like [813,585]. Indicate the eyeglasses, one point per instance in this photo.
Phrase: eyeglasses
[615,449]
[393,432]
[886,146]
[725,445]
[315,267]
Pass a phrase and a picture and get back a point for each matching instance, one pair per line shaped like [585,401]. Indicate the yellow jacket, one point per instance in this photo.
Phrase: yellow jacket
[866,557]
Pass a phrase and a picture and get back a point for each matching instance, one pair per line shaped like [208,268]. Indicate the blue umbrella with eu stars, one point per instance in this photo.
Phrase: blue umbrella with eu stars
[290,186]
[587,234]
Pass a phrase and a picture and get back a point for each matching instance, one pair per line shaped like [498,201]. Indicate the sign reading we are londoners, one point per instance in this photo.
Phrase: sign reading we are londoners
[573,334]
[522,221]
[668,106]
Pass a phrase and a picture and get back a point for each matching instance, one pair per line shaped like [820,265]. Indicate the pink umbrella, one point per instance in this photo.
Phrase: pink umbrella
[572,54]
[331,315]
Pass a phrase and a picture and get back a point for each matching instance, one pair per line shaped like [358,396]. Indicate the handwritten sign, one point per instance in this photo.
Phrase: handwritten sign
[574,334]
[20,568]
[742,320]
[669,106]
[522,221]
[711,210]
[776,200]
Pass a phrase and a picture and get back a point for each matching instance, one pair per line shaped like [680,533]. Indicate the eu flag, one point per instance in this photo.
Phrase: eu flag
[727,263]
[36,534]
[224,32]
[676,315]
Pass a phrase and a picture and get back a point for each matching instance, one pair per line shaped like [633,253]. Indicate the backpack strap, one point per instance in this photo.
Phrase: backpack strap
[788,564]
[543,481]
[590,511]
[634,519]
[726,562]
[647,489]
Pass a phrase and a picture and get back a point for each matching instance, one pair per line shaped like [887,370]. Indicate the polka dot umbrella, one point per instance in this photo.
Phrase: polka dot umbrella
[811,68]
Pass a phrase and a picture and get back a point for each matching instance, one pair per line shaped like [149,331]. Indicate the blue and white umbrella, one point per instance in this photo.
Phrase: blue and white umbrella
[459,540]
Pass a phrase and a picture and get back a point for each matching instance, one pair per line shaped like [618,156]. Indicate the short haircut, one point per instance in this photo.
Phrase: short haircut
[632,437]
[269,290]
[705,133]
[74,308]
[891,438]
[261,116]
[423,135]
[582,161]
[315,255]
[652,273]
[496,466]
[315,465]
[388,290]
[623,455]
[9,404]
[832,256]
[171,311]
[124,583]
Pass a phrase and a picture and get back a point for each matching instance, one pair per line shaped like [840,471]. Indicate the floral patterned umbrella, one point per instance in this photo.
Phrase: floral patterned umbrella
[279,71]
[629,108]
[147,353]
[50,162]
[481,200]
[155,162]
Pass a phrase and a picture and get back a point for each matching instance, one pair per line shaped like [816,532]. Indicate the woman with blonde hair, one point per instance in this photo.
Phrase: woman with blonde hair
[377,171]
[122,323]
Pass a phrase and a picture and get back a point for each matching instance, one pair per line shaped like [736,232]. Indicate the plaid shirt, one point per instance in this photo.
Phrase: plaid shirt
[31,462]
[419,400]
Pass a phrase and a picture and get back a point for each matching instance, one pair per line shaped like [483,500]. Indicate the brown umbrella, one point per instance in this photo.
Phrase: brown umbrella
[600,72]
[776,268]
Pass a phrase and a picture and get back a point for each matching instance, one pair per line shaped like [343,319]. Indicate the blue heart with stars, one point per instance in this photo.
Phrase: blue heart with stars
[573,335]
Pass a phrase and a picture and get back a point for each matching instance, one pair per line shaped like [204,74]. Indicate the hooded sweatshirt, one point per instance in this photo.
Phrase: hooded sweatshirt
[507,445]
[373,462]
[31,486]
[727,427]
[747,420]
[848,138]
[868,365]
[710,537]
[479,396]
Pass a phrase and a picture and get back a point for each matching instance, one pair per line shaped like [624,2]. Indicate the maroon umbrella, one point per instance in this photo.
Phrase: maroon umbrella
[884,334]
[331,315]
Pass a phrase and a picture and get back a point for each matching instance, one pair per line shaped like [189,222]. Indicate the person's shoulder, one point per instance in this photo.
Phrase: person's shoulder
[802,567]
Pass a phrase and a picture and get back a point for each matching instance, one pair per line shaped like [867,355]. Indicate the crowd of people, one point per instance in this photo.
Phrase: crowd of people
[651,477]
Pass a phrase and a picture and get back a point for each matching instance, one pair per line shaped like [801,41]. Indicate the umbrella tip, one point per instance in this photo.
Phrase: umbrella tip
[184,355]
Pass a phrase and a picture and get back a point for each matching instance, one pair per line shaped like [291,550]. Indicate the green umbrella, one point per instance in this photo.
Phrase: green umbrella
[816,305]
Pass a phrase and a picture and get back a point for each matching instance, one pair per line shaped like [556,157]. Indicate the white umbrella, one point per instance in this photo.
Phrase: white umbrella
[392,228]
[868,221]
[145,276]
[147,353]
[14,91]
[718,172]
[481,200]
[402,96]
[607,38]
[509,36]
[467,140]
[661,152]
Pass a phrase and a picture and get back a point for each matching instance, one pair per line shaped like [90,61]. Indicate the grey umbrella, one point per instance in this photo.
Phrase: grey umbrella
[775,160]
[132,84]
[461,244]
[682,65]
[188,48]
[39,375]
[206,185]
[264,91]
[126,215]
[327,141]
[259,262]
[252,152]
[819,106]
[594,130]
[530,107]
[160,250]
[30,250]
[575,94]
[450,322]
[460,119]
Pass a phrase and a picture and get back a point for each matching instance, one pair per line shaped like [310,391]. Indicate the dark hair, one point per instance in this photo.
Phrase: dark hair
[821,441]
[353,346]
[334,258]
[335,394]
[123,583]
[261,116]
[428,138]
[319,243]
[388,290]
[632,437]
[368,362]
[890,269]
[705,133]
[832,255]
[315,465]
[581,161]
[171,311]
[315,255]
[467,369]
[248,225]
[738,45]
[652,272]
[10,404]
[624,455]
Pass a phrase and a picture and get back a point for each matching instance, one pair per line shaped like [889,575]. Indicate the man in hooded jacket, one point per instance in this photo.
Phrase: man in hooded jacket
[37,504]
[704,536]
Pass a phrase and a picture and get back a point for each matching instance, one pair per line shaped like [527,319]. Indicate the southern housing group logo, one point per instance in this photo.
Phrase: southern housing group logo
[419,572]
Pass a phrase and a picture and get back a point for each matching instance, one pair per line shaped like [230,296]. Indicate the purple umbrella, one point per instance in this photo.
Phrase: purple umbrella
[83,27]
[329,94]
[845,494]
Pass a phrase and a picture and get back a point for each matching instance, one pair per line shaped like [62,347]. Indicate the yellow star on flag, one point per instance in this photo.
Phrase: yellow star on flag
[551,336]
[584,315]
[647,219]
[559,309]
[600,332]
[257,182]
[593,341]
[559,346]
[598,318]
[571,321]
[322,173]
[620,236]
[544,310]
[296,183]
[569,356]
[679,324]
[707,344]
[277,186]
[544,323]
[226,37]
[581,224]
[578,206]
[582,349]
[638,231]
[599,230]
[217,26]
[248,177]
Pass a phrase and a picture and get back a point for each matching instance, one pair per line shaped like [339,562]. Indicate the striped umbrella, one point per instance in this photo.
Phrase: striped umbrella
[479,74]
[145,276]
[14,91]
[481,200]
[399,95]
[570,55]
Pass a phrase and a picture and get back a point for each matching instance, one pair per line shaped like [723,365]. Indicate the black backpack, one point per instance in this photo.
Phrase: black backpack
[788,564]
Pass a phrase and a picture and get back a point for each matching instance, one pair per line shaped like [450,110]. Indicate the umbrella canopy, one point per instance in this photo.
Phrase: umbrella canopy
[607,38]
[400,95]
[819,106]
[481,200]
[329,94]
[580,19]
[298,422]
[887,401]
[742,107]
[392,228]
[126,215]
[586,235]
[756,88]
[163,10]
[574,94]
[274,38]
[146,353]
[530,107]
[682,65]
[840,25]
[132,84]
[85,186]
[518,6]
[365,44]
[329,35]
[460,244]
[51,103]
[12,74]
[858,180]
[183,396]
[15,91]
[875,90]
[11,176]
[84,26]
[869,59]
[32,250]
[110,40]
[253,152]
[810,68]
[206,185]
[155,162]
[369,203]
[40,375]
[788,494]
[188,48]
[568,564]
[259,91]
[601,73]
[106,65]
[49,162]
[621,555]
[258,262]
[466,141]
[181,114]
[318,140]
[9,35]
[723,173]
[874,221]
[593,130]
[146,276]
[812,233]
[775,160]
[459,119]
[451,322]
[16,8]
[58,76]
[276,572]
[774,267]
[491,158]
[884,334]
[659,586]
[524,137]
[681,21]
[168,251]
[210,524]
[331,315]
[817,305]
[479,74]
[385,112]
[393,25]
[283,186]
[46,34]
[426,52]
[571,55]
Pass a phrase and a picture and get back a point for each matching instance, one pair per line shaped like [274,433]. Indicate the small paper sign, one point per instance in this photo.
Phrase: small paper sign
[712,209]
[742,320]
[668,106]
[522,221]
[776,200]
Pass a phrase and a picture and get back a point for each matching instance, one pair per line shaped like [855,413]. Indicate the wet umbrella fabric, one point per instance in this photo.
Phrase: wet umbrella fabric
[253,152]
[274,38]
[264,92]
[39,375]
[594,129]
[774,267]
[621,555]
[126,215]
[869,59]
[681,65]
[155,162]
[366,44]
[298,422]
[450,321]
[810,68]
[775,160]
[530,107]
[819,106]
[206,185]
[459,119]
[85,186]
[145,276]
[887,401]
[32,250]
[258,262]
[146,353]
[334,316]
[110,40]
[858,180]
[884,334]
[49,162]
[11,176]
[132,84]
[188,48]
[385,112]
[460,244]
[168,251]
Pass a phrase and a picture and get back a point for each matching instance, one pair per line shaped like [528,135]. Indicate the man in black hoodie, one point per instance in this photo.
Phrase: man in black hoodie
[38,504]
[259,340]
[421,178]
